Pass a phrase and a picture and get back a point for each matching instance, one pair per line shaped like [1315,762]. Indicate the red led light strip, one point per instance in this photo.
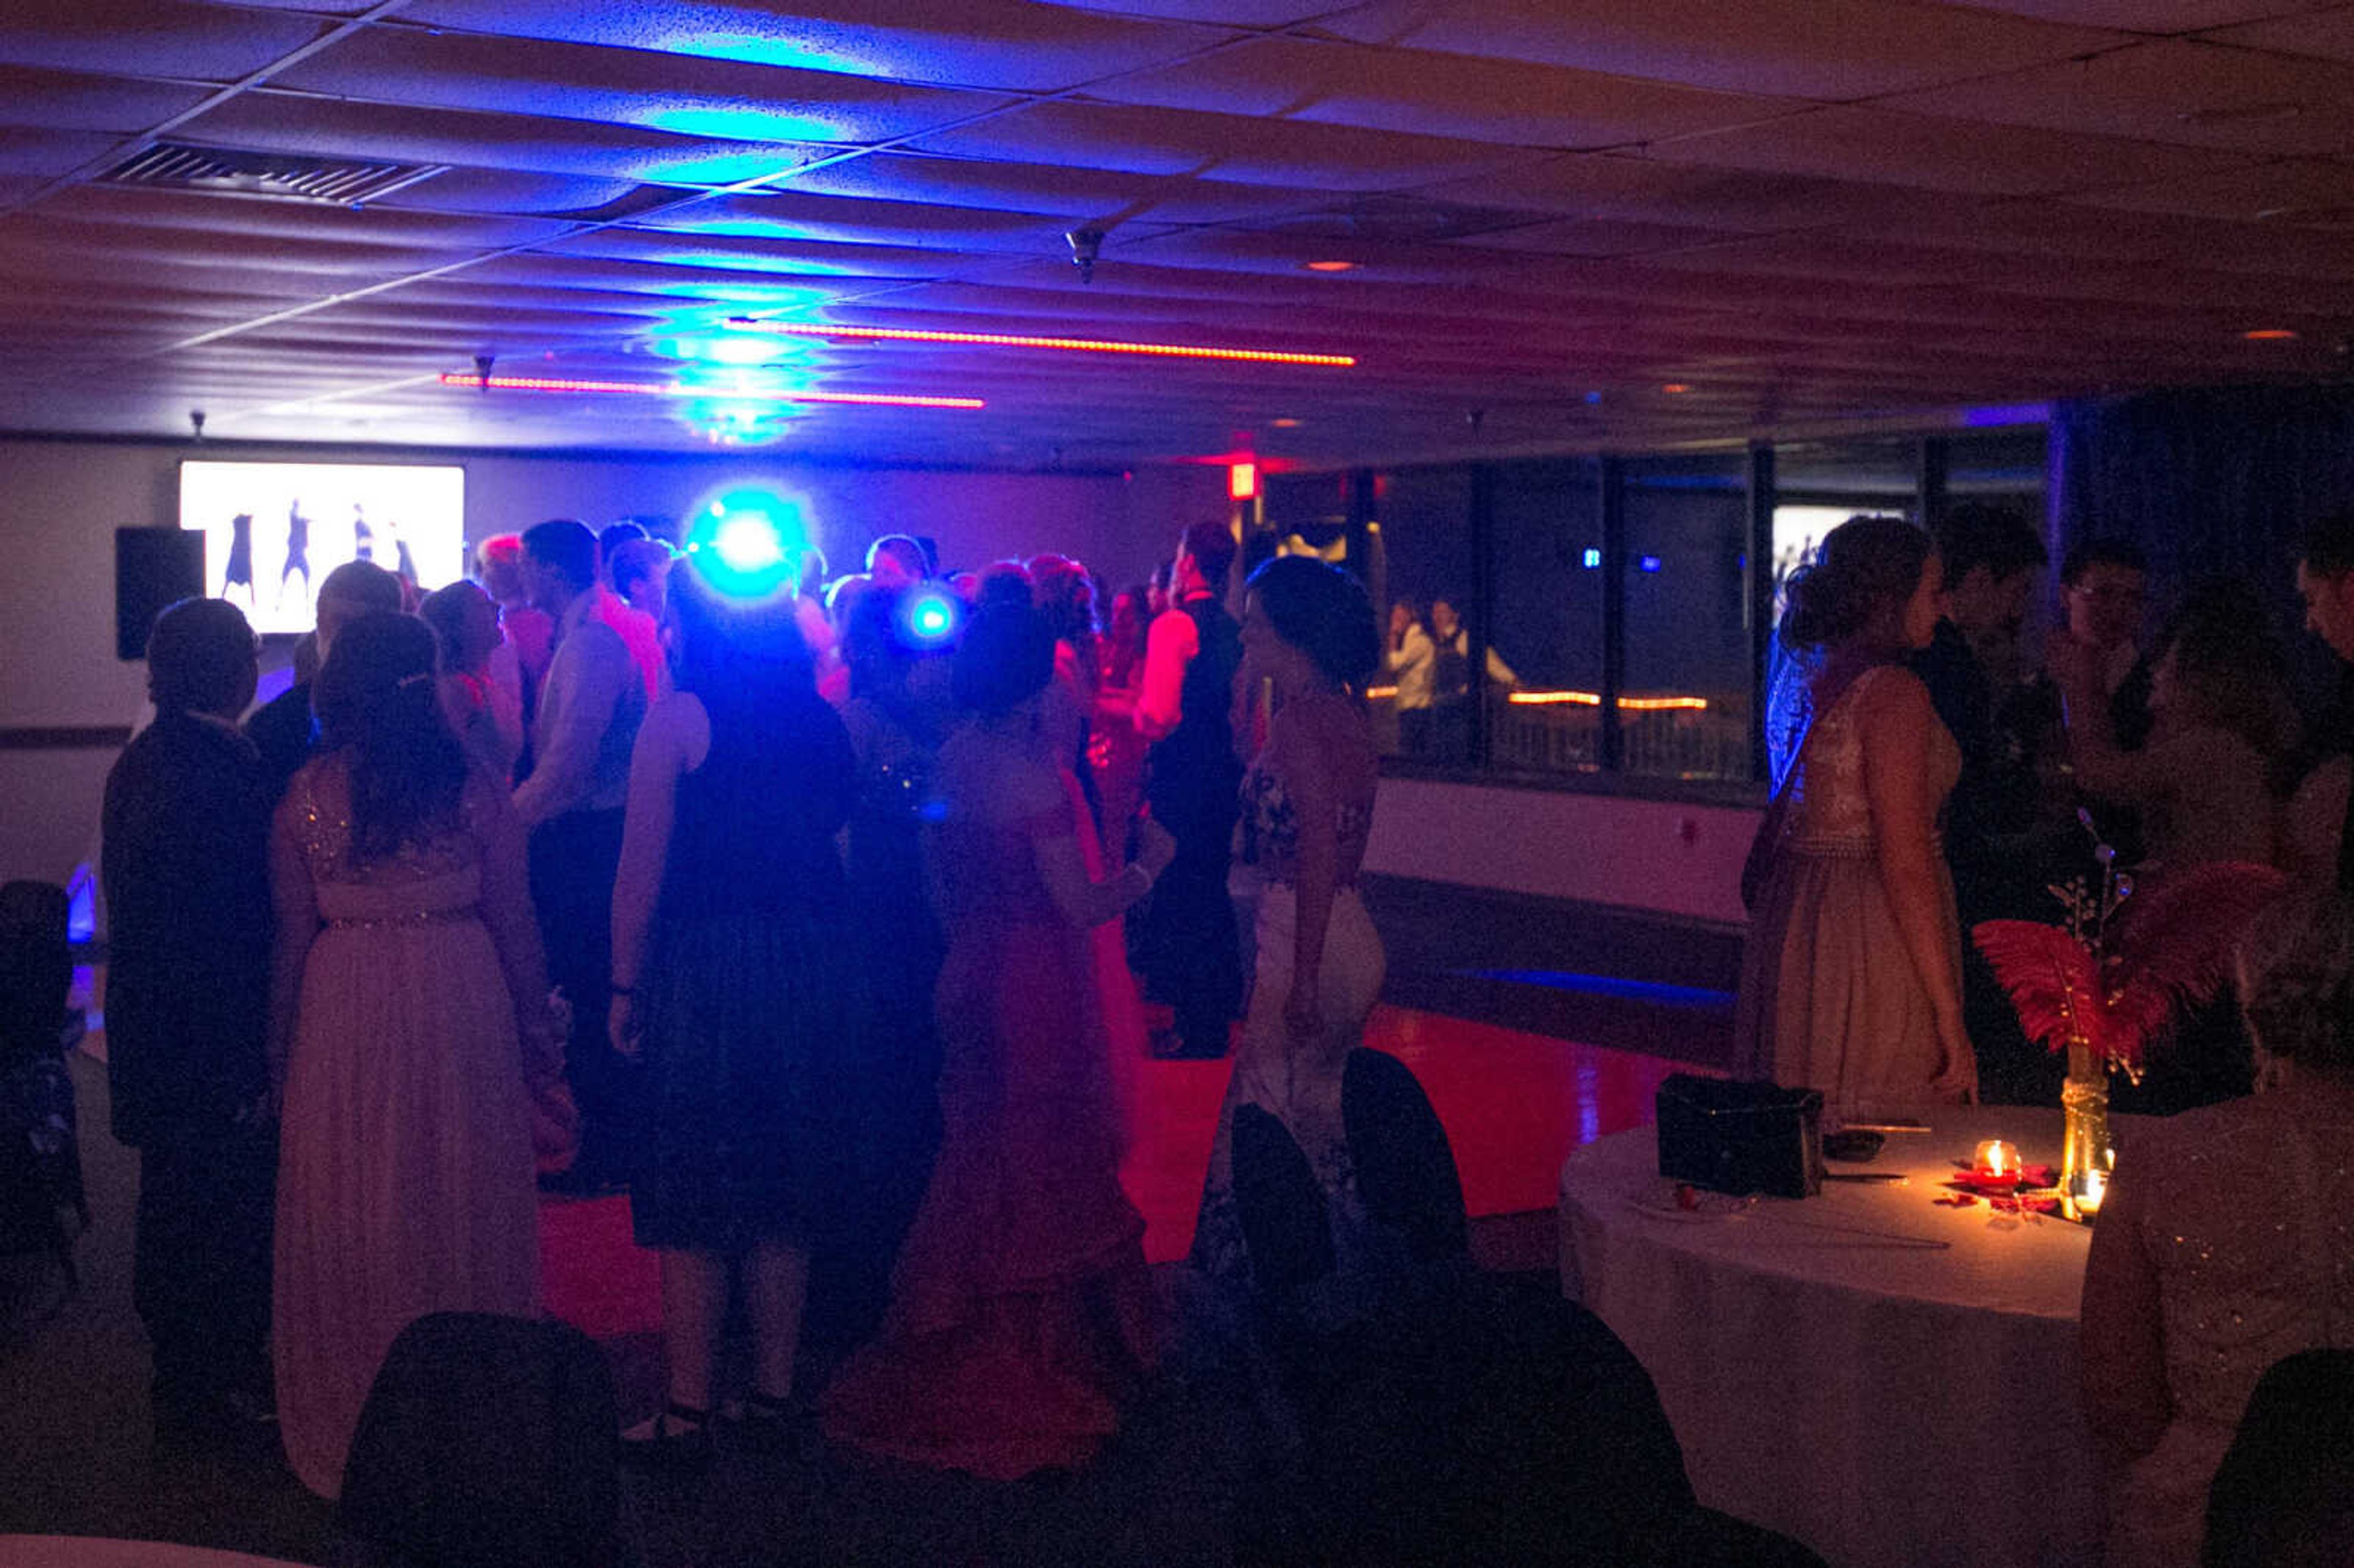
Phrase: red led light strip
[1075,344]
[673,389]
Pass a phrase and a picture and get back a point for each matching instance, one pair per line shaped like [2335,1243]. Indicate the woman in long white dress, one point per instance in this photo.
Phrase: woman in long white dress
[1851,980]
[410,1032]
[1308,628]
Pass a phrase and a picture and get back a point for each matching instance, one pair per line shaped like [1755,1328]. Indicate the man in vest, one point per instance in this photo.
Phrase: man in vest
[1190,951]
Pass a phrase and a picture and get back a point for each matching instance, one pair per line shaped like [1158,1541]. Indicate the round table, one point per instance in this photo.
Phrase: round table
[1889,1380]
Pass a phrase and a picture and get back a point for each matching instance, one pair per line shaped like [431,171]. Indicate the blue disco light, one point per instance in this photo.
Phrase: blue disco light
[929,619]
[747,543]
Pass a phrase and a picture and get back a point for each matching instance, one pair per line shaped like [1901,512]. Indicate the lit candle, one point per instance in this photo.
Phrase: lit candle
[2097,1187]
[1996,1160]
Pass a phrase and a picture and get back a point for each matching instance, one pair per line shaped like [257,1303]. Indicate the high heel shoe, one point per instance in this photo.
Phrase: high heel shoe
[681,1441]
[783,1427]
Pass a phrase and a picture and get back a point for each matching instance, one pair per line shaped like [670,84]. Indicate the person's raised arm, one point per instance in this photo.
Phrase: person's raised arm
[1079,898]
[2122,1339]
[2102,768]
[1897,726]
[656,762]
[296,906]
[1303,765]
[1169,648]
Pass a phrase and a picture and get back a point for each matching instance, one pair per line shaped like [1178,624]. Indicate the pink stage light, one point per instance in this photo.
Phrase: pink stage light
[1073,345]
[675,389]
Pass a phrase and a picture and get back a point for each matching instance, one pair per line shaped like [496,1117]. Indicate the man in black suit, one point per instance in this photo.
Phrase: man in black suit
[1190,949]
[186,870]
[2325,581]
[283,730]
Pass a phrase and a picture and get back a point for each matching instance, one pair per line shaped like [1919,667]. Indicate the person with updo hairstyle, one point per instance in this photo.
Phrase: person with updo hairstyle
[1308,631]
[411,1035]
[1851,979]
[1020,1311]
[2224,1244]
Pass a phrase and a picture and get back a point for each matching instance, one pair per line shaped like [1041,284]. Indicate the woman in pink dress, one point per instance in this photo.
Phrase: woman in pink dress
[410,1032]
[1020,1311]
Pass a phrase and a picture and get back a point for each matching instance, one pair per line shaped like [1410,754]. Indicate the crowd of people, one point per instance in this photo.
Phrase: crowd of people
[1925,781]
[822,922]
[814,920]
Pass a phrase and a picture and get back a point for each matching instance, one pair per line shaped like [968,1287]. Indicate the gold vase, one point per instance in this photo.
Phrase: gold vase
[2084,1136]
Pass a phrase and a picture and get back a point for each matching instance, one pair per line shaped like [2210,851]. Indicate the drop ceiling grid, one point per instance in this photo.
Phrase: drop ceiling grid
[1227,169]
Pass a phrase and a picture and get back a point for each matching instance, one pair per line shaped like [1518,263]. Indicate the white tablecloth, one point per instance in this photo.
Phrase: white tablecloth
[90,1552]
[1885,1403]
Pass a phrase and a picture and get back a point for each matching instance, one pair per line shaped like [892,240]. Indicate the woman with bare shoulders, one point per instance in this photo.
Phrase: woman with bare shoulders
[1020,1310]
[1851,980]
[1310,631]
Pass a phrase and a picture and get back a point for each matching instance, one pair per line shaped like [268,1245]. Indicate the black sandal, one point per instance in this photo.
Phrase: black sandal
[783,1426]
[681,1440]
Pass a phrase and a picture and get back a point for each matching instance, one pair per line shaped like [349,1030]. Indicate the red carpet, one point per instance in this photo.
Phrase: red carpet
[1513,1105]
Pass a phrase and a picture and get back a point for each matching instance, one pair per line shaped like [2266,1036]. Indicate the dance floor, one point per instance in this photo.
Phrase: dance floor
[1513,1105]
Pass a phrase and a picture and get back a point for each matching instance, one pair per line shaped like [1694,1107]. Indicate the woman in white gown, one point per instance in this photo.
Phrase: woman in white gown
[1309,798]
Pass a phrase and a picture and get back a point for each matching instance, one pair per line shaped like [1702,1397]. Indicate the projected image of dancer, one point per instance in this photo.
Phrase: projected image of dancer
[298,552]
[404,564]
[240,557]
[363,537]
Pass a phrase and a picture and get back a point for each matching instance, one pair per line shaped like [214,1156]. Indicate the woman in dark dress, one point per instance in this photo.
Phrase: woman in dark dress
[731,976]
[897,713]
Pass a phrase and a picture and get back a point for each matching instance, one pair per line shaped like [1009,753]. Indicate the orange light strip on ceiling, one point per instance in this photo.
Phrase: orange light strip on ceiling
[676,390]
[1074,344]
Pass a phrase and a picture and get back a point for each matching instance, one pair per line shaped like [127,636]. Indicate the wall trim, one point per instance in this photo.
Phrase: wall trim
[65,737]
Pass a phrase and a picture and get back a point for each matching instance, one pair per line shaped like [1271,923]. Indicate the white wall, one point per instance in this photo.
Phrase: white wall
[60,503]
[1600,849]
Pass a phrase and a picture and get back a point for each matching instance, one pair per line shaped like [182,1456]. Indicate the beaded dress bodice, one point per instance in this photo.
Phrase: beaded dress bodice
[438,878]
[1830,804]
[1273,822]
[2249,1219]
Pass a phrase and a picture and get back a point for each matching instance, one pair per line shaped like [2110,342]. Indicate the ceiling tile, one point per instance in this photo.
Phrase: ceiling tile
[1937,153]
[2326,34]
[48,154]
[1216,13]
[1229,147]
[627,87]
[1647,189]
[2174,91]
[2149,16]
[150,37]
[1002,44]
[280,123]
[1439,95]
[515,191]
[62,101]
[1830,49]
[2289,191]
[794,214]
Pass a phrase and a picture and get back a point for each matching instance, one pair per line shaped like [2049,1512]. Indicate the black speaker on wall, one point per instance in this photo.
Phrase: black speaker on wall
[153,568]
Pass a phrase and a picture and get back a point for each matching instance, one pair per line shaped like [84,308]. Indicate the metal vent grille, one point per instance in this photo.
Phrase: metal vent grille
[171,165]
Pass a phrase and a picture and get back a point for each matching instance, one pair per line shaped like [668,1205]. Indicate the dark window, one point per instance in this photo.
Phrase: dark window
[1685,711]
[1544,683]
[1430,585]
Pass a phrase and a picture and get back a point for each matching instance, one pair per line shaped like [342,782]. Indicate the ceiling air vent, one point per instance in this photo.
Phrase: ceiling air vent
[171,165]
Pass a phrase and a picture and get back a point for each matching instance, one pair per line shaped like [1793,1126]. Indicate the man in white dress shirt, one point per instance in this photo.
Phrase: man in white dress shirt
[589,708]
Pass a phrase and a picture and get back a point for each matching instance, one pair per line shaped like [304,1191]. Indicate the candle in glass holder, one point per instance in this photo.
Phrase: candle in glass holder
[1996,1160]
[2095,1188]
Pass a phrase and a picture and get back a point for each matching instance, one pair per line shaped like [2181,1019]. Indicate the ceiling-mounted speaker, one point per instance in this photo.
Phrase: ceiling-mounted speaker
[153,569]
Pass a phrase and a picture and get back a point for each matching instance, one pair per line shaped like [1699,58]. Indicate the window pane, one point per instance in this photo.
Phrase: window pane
[2003,468]
[1424,710]
[1818,485]
[1543,691]
[1685,711]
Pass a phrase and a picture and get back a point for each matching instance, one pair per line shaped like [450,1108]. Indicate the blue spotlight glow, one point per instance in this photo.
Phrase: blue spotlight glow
[929,619]
[747,542]
[1593,560]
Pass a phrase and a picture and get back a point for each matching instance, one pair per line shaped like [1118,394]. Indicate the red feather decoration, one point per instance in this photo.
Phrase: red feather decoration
[2173,948]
